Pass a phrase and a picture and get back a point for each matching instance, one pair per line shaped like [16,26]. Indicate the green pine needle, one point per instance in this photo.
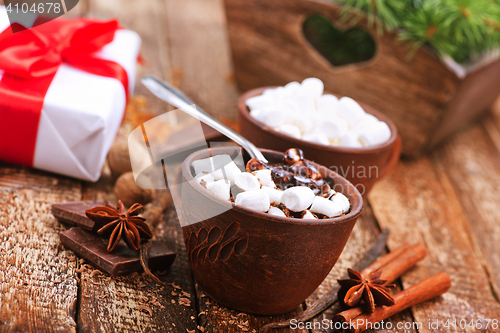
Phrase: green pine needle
[462,29]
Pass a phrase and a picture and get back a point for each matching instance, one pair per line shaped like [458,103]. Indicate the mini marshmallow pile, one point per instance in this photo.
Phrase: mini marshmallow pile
[257,191]
[302,111]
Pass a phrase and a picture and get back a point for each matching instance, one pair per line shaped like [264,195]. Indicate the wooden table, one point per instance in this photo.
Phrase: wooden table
[448,200]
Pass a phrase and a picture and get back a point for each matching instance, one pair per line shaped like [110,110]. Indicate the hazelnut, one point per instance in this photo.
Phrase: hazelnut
[293,155]
[119,158]
[129,193]
[254,164]
[119,155]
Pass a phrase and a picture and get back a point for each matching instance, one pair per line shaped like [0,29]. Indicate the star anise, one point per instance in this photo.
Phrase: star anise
[372,291]
[120,224]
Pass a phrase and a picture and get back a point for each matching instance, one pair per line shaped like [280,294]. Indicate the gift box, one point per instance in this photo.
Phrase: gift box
[63,93]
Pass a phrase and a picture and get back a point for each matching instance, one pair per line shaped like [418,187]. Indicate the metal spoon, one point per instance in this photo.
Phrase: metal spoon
[177,98]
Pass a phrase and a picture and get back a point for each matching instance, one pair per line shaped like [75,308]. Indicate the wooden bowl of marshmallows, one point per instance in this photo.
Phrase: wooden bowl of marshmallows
[259,239]
[347,136]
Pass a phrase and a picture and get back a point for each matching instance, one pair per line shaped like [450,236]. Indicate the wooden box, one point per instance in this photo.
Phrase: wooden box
[426,100]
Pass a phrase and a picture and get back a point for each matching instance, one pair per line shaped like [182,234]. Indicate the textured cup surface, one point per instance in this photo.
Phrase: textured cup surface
[255,262]
[361,166]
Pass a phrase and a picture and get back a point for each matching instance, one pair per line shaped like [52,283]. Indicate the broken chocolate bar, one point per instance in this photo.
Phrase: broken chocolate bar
[122,260]
[74,213]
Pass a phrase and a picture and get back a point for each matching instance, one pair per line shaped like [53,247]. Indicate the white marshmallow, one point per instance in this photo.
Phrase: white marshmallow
[350,110]
[292,88]
[231,170]
[220,188]
[312,87]
[206,177]
[342,201]
[350,140]
[255,200]
[298,198]
[259,115]
[333,127]
[276,212]
[327,102]
[376,135]
[275,195]
[326,207]
[305,103]
[332,192]
[210,164]
[321,115]
[269,92]
[273,116]
[304,123]
[264,177]
[290,130]
[365,124]
[279,94]
[316,137]
[309,215]
[260,101]
[290,107]
[246,182]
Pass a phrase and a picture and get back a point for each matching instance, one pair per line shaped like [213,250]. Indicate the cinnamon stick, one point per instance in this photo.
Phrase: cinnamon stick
[400,263]
[331,297]
[392,265]
[385,260]
[353,321]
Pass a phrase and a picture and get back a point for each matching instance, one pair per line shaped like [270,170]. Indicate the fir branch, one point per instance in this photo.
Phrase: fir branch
[461,29]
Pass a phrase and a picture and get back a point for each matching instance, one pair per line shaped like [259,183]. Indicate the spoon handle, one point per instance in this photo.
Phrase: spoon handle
[177,98]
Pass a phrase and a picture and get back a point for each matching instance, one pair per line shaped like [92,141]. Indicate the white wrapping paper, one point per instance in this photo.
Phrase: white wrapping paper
[82,112]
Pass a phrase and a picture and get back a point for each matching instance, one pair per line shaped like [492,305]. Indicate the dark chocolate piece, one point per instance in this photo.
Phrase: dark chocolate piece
[74,213]
[122,261]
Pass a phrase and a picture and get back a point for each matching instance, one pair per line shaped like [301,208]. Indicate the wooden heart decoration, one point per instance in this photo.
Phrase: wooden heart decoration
[32,13]
[339,47]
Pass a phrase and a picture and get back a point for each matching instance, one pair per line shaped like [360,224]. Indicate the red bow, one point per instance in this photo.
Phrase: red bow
[30,59]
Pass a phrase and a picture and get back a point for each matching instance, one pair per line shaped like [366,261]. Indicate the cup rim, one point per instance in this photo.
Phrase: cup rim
[353,194]
[244,112]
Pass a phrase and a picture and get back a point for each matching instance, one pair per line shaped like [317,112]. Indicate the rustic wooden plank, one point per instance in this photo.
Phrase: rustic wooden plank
[199,51]
[215,318]
[38,285]
[471,161]
[52,188]
[364,234]
[121,304]
[492,123]
[102,189]
[135,303]
[417,204]
[148,19]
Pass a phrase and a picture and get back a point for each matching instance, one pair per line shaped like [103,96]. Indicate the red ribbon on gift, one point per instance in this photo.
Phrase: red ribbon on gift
[30,60]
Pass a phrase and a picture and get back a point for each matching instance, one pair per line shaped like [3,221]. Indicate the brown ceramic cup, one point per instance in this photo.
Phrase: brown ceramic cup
[255,262]
[361,166]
